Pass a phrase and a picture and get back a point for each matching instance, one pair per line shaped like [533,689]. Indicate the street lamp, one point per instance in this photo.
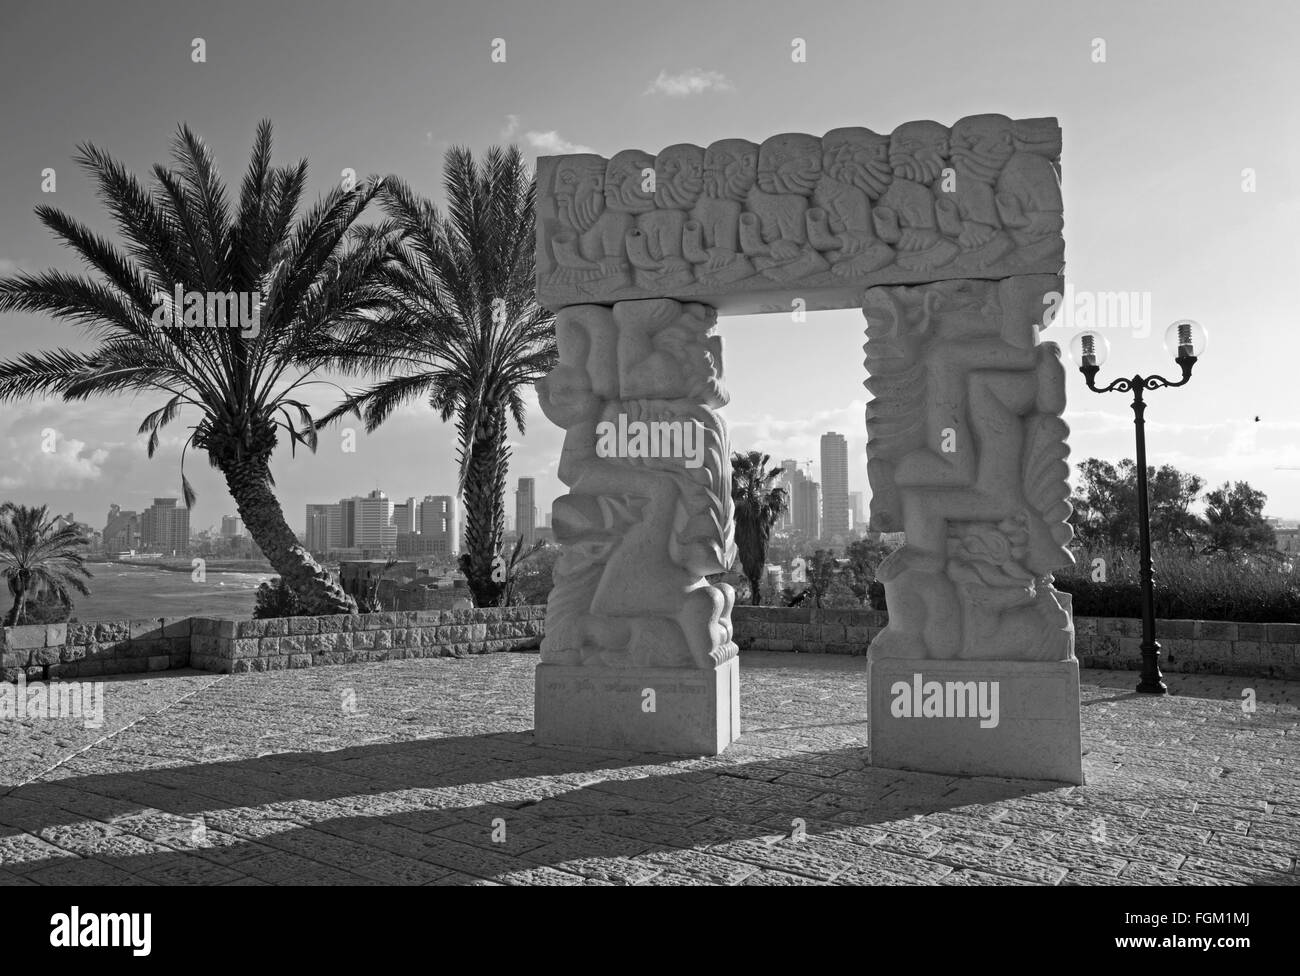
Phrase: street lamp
[1185,339]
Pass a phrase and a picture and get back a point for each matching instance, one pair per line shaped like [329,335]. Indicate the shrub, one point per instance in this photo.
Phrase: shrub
[1188,586]
[276,599]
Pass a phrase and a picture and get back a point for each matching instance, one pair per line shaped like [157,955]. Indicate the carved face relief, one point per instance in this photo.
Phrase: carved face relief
[859,157]
[981,145]
[579,190]
[790,163]
[679,176]
[624,177]
[917,151]
[730,166]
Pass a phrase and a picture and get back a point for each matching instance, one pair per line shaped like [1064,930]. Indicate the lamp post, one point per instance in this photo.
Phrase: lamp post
[1187,340]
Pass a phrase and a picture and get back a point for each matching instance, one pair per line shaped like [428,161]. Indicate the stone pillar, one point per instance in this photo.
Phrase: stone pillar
[638,652]
[975,673]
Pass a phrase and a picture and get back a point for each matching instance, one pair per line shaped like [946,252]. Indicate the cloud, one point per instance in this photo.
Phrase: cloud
[554,144]
[511,126]
[693,81]
[7,267]
[43,458]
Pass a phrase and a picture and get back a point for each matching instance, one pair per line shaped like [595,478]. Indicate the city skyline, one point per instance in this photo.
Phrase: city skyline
[97,457]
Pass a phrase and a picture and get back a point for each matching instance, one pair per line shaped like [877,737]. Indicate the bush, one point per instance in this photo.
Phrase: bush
[1248,589]
[276,599]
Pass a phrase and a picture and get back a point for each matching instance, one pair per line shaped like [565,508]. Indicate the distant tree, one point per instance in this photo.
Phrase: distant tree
[36,555]
[759,502]
[822,570]
[1234,514]
[535,576]
[864,555]
[1106,511]
[514,568]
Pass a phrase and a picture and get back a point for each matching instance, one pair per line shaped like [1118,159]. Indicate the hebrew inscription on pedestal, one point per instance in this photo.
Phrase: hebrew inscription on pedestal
[749,227]
[632,619]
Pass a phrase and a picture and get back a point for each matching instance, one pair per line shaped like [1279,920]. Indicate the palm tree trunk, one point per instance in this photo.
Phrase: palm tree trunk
[249,481]
[485,488]
[18,609]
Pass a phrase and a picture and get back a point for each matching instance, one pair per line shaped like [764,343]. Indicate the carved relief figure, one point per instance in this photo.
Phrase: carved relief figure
[655,247]
[855,174]
[1029,192]
[906,214]
[980,146]
[712,236]
[774,230]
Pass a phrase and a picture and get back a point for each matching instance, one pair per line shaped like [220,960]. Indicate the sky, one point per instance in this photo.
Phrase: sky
[1179,180]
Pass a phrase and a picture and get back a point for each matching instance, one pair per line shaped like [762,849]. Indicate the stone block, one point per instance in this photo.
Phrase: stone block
[1284,633]
[268,646]
[363,640]
[1219,630]
[1017,719]
[56,635]
[176,627]
[303,625]
[696,710]
[24,638]
[160,662]
[151,629]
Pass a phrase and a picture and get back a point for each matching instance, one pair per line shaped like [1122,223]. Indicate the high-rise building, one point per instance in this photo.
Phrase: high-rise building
[440,521]
[371,519]
[789,468]
[856,510]
[232,527]
[324,527]
[835,486]
[165,526]
[804,494]
[526,510]
[404,516]
[121,530]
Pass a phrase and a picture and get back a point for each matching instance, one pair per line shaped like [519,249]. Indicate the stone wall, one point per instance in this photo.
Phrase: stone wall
[87,650]
[84,650]
[235,646]
[1187,646]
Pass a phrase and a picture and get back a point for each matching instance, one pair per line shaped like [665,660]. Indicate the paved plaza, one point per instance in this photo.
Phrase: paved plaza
[425,772]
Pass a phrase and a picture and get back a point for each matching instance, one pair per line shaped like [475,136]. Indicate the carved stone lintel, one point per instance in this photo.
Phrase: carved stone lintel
[748,227]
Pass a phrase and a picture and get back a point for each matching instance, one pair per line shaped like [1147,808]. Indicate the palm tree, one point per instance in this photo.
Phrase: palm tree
[34,553]
[462,329]
[310,273]
[759,503]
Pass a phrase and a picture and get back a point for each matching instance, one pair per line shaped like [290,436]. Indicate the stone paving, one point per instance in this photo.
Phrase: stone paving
[425,772]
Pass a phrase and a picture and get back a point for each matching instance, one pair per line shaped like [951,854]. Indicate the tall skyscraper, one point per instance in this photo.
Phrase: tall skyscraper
[324,527]
[440,520]
[232,527]
[790,467]
[372,521]
[526,510]
[805,517]
[121,530]
[856,510]
[404,516]
[165,527]
[835,486]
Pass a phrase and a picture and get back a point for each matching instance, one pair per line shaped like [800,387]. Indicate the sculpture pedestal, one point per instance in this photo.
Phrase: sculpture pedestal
[680,711]
[1017,719]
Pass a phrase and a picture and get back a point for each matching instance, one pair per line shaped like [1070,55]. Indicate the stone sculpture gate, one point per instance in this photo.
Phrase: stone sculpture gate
[948,239]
